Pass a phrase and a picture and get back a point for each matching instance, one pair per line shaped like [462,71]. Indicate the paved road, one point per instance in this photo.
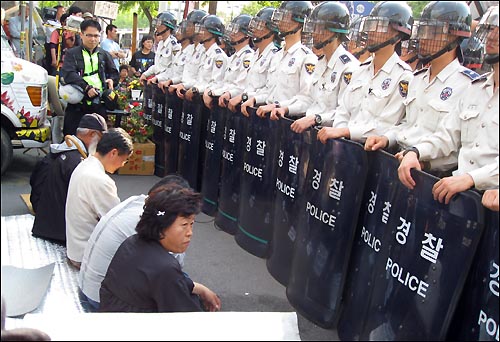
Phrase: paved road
[213,258]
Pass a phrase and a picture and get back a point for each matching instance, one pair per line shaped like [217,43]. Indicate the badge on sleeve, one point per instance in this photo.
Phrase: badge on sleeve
[446,93]
[219,63]
[310,68]
[386,83]
[347,77]
[246,64]
[403,88]
[333,77]
[291,62]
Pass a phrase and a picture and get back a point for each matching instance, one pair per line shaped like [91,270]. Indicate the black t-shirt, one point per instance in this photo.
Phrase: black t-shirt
[142,62]
[144,277]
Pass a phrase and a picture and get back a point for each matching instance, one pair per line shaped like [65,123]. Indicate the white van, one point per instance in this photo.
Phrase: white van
[24,122]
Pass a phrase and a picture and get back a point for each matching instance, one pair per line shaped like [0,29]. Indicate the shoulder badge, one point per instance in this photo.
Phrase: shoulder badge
[420,71]
[481,78]
[403,88]
[246,64]
[275,50]
[471,74]
[248,51]
[345,59]
[218,50]
[305,50]
[446,93]
[219,63]
[366,63]
[347,77]
[310,68]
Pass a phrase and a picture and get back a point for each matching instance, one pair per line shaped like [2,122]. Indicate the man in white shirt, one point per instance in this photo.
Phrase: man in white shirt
[91,192]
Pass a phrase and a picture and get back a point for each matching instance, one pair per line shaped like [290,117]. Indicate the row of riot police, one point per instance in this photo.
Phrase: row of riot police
[285,145]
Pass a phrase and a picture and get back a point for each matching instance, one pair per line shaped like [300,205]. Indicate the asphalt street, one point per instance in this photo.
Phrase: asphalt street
[240,279]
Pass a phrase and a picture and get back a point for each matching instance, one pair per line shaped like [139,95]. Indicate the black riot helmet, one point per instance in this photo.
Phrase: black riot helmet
[356,44]
[472,59]
[385,15]
[213,25]
[196,16]
[261,26]
[442,27]
[289,13]
[168,20]
[238,24]
[187,26]
[486,35]
[328,20]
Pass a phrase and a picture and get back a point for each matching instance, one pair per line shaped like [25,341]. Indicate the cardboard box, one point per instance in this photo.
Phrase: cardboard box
[141,162]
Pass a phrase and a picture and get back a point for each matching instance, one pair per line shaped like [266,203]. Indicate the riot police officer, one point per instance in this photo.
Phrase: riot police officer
[356,45]
[263,32]
[237,35]
[373,100]
[293,66]
[167,47]
[472,130]
[214,62]
[435,91]
[328,24]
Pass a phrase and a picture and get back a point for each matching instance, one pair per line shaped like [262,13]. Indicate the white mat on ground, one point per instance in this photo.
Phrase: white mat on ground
[20,249]
[193,326]
[23,289]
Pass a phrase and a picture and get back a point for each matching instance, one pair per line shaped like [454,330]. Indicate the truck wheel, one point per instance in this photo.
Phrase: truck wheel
[6,150]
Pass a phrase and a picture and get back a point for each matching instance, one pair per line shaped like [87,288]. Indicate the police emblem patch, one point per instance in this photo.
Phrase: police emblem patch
[218,63]
[262,62]
[310,68]
[291,62]
[333,77]
[446,93]
[386,83]
[246,64]
[403,88]
[347,77]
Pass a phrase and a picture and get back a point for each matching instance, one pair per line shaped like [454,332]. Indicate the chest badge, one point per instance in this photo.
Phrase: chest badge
[291,62]
[403,88]
[333,77]
[386,83]
[446,93]
[310,68]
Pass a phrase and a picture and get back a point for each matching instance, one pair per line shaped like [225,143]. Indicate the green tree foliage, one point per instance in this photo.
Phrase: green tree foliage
[255,6]
[417,7]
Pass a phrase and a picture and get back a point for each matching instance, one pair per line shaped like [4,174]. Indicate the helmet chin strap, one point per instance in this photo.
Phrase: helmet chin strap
[427,59]
[491,59]
[391,41]
[207,40]
[411,60]
[325,43]
[162,32]
[239,41]
[284,34]
[258,40]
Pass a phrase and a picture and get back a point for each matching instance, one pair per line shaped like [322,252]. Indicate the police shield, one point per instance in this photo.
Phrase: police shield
[476,317]
[189,140]
[255,219]
[431,247]
[328,217]
[213,155]
[379,196]
[231,171]
[158,119]
[292,159]
[148,103]
[171,132]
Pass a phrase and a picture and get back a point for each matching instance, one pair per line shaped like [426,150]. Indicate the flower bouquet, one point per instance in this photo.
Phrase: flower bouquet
[134,124]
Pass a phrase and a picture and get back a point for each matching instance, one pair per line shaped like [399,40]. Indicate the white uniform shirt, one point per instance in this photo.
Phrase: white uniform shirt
[289,74]
[177,68]
[236,73]
[164,56]
[328,82]
[190,73]
[473,132]
[427,104]
[372,103]
[113,228]
[212,69]
[257,74]
[91,194]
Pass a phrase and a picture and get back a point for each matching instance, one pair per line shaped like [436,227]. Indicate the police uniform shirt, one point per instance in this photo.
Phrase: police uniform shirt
[473,131]
[237,70]
[257,74]
[180,60]
[212,69]
[165,53]
[328,82]
[190,73]
[427,103]
[372,103]
[290,74]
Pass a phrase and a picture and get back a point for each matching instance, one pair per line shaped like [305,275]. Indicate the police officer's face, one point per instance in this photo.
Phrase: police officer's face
[90,38]
[492,41]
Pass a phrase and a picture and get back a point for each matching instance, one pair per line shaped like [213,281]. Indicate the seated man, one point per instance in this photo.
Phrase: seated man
[117,225]
[50,178]
[92,193]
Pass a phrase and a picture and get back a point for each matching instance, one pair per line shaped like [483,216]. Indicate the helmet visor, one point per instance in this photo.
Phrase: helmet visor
[280,15]
[232,28]
[375,24]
